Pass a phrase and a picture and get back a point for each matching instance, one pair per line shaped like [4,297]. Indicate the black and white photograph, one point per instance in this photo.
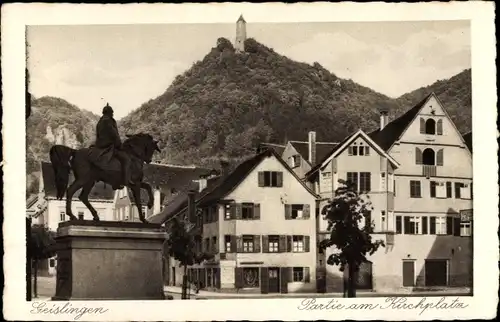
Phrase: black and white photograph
[310,161]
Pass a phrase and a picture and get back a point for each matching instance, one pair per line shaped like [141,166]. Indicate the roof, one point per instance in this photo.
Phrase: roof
[100,191]
[322,149]
[31,200]
[219,187]
[175,176]
[386,137]
[278,148]
[468,139]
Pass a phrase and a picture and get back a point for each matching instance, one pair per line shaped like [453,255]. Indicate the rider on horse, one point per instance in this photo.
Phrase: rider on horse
[108,136]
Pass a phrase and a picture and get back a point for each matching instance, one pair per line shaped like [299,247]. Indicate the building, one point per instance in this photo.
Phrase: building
[166,180]
[418,171]
[259,222]
[45,209]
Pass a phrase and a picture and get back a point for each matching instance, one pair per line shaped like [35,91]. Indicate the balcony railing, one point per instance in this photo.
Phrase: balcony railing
[428,170]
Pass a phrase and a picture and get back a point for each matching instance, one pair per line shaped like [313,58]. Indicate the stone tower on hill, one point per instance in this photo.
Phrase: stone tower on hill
[241,34]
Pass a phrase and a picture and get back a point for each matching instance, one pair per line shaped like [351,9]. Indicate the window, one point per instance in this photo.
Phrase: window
[227,243]
[214,245]
[298,274]
[411,225]
[440,226]
[62,216]
[449,190]
[247,211]
[429,157]
[250,277]
[297,211]
[80,215]
[432,225]
[295,161]
[382,220]
[274,243]
[270,179]
[298,244]
[352,178]
[352,150]
[430,127]
[458,190]
[326,175]
[415,189]
[361,150]
[52,262]
[433,189]
[365,182]
[465,228]
[248,243]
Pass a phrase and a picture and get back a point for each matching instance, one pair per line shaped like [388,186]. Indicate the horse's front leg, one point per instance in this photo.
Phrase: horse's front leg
[84,198]
[147,187]
[136,191]
[77,184]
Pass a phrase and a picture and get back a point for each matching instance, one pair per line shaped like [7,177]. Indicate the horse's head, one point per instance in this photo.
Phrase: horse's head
[143,145]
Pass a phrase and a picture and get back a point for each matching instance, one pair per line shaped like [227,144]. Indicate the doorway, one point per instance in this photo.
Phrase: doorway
[436,272]
[364,278]
[274,279]
[408,273]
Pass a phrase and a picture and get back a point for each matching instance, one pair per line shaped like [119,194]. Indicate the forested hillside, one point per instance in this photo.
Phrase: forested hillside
[228,102]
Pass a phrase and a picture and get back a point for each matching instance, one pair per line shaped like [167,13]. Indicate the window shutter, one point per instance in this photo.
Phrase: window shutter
[256,243]
[456,226]
[306,211]
[282,244]
[399,229]
[288,212]
[239,244]
[406,225]
[383,163]
[307,240]
[238,277]
[261,179]
[349,150]
[265,244]
[279,178]
[289,244]
[307,276]
[439,157]
[424,225]
[233,244]
[432,225]
[334,165]
[239,211]
[264,280]
[217,277]
[439,127]
[256,211]
[418,156]
[284,274]
[367,150]
[422,125]
[449,225]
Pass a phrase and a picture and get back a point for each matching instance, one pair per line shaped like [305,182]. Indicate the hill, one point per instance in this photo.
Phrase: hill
[228,102]
[454,93]
[54,121]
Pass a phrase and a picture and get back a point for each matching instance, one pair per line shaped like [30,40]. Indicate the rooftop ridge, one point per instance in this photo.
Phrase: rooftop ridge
[317,142]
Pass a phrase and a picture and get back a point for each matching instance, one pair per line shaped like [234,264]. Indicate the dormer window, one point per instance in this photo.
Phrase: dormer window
[431,127]
[295,161]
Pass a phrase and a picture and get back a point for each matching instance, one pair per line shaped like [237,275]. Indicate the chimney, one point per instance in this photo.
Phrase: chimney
[312,147]
[156,201]
[202,182]
[224,167]
[383,119]
[191,206]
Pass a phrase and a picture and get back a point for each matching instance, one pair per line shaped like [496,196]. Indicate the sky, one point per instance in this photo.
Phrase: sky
[127,65]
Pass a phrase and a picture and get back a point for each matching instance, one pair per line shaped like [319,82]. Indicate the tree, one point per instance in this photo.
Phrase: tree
[181,245]
[350,242]
[41,245]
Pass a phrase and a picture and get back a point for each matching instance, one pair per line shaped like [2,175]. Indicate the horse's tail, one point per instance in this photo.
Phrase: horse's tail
[60,157]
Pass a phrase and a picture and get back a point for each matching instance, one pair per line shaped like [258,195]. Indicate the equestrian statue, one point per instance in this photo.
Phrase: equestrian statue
[108,160]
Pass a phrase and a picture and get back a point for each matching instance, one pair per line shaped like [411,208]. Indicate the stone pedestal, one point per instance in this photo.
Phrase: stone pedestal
[109,261]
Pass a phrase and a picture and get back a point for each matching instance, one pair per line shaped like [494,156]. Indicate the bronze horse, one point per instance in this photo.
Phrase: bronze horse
[139,147]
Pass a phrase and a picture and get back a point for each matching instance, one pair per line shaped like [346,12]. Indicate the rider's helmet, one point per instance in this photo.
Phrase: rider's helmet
[107,109]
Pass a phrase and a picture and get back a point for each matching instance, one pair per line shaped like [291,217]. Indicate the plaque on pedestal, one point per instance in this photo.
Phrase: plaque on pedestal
[109,261]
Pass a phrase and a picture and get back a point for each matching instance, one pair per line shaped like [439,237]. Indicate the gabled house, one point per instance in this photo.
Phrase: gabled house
[166,180]
[417,171]
[259,222]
